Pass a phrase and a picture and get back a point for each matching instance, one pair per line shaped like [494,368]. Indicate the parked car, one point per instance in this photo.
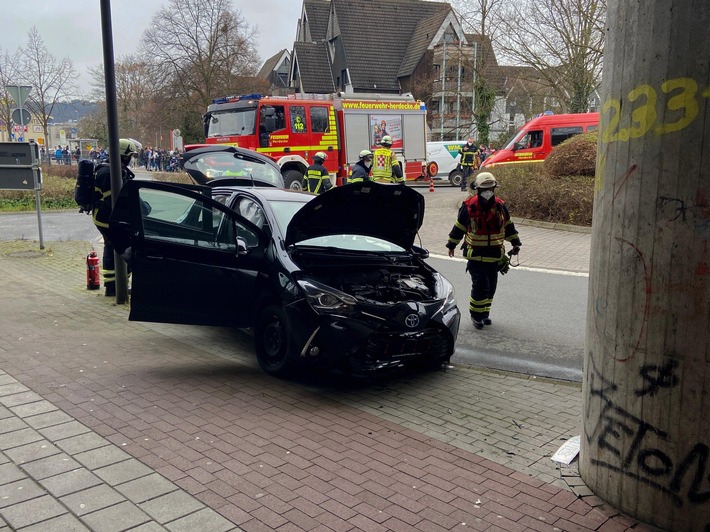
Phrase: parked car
[334,280]
[247,167]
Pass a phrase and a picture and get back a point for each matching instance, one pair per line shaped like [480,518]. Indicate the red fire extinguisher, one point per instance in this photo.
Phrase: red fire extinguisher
[93,280]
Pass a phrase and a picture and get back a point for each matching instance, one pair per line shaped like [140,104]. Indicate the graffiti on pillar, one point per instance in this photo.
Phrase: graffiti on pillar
[677,208]
[637,449]
[657,377]
[680,101]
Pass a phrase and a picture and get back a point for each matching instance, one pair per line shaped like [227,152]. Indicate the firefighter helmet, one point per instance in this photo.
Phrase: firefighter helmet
[365,153]
[321,155]
[386,140]
[485,180]
[127,147]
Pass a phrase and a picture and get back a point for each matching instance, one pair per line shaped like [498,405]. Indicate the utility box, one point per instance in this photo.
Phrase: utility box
[19,166]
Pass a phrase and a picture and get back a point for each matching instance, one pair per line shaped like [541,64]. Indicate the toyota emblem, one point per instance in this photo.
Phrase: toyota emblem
[411,321]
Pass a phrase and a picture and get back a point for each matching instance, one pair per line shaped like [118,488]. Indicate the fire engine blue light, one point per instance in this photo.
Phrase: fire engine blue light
[227,99]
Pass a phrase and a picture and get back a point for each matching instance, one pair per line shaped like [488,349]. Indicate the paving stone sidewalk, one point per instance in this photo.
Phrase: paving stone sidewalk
[107,424]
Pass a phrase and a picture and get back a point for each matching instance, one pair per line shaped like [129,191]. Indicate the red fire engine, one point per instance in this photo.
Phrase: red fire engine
[292,129]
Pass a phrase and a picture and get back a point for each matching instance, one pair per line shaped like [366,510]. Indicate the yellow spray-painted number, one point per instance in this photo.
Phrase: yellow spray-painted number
[682,92]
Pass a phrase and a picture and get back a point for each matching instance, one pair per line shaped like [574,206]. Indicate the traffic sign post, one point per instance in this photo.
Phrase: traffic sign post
[19,94]
[20,170]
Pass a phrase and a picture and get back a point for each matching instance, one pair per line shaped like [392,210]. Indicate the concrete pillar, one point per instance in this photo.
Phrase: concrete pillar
[646,422]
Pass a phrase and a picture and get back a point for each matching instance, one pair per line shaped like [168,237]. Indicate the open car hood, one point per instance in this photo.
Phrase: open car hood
[390,212]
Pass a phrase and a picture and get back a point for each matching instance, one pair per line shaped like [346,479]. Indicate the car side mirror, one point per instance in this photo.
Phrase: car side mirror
[242,248]
[420,252]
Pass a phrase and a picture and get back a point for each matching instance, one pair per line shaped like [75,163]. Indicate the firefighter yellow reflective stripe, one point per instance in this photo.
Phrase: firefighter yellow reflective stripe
[480,305]
[485,240]
[109,275]
[296,149]
[469,255]
[460,226]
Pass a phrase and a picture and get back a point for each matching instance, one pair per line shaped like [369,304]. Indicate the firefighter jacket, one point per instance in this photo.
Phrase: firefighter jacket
[360,173]
[317,179]
[386,167]
[469,153]
[485,226]
[102,193]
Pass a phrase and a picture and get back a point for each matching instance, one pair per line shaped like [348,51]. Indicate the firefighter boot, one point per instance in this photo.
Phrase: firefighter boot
[110,289]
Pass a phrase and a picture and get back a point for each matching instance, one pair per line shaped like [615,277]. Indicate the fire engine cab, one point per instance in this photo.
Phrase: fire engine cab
[292,129]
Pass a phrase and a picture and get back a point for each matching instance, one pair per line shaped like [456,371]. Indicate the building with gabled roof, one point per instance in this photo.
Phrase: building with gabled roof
[394,47]
[276,70]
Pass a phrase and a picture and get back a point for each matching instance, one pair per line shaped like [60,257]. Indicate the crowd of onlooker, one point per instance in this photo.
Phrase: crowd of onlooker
[153,159]
[62,155]
[156,159]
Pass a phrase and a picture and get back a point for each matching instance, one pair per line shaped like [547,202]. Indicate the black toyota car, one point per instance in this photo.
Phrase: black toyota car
[333,281]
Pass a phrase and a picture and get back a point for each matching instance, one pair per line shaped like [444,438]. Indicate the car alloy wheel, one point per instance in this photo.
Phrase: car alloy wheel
[274,348]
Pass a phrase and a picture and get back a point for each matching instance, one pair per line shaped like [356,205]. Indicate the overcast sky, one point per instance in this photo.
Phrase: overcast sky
[73,29]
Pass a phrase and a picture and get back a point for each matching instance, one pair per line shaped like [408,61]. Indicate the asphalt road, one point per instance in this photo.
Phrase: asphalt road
[539,321]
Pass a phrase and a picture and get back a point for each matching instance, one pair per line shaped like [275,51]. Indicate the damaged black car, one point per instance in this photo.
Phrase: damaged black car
[331,281]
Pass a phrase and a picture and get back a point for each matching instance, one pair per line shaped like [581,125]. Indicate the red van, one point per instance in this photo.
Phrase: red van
[533,142]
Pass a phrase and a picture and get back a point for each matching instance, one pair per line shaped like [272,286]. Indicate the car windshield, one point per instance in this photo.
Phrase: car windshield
[285,211]
[352,243]
[232,122]
[228,164]
[516,138]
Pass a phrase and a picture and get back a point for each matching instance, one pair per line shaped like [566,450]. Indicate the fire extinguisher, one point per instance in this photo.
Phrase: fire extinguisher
[93,281]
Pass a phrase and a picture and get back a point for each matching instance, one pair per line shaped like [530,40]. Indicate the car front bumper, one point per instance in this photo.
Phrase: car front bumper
[375,341]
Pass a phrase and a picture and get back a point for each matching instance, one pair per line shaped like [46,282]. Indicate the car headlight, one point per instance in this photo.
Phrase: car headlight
[326,300]
[445,290]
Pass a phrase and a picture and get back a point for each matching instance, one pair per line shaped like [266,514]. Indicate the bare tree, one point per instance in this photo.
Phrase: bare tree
[51,79]
[199,47]
[9,67]
[482,19]
[133,94]
[563,42]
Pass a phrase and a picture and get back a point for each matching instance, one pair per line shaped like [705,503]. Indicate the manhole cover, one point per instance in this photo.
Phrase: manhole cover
[26,254]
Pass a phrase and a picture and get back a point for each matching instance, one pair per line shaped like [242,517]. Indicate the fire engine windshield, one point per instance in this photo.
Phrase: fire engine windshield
[232,123]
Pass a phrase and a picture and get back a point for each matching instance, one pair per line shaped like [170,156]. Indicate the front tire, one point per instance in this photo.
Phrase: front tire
[275,350]
[293,179]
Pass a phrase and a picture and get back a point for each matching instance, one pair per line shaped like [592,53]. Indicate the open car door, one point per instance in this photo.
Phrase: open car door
[192,260]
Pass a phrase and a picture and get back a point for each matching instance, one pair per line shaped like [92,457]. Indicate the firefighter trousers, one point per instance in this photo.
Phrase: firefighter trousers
[484,281]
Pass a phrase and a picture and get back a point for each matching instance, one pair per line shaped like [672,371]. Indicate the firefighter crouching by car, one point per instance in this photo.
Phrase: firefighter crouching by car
[317,178]
[485,222]
[103,207]
[385,166]
[361,169]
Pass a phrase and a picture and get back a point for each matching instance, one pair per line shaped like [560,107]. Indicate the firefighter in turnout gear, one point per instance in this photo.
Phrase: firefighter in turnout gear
[317,179]
[470,161]
[484,221]
[101,213]
[385,166]
[361,169]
